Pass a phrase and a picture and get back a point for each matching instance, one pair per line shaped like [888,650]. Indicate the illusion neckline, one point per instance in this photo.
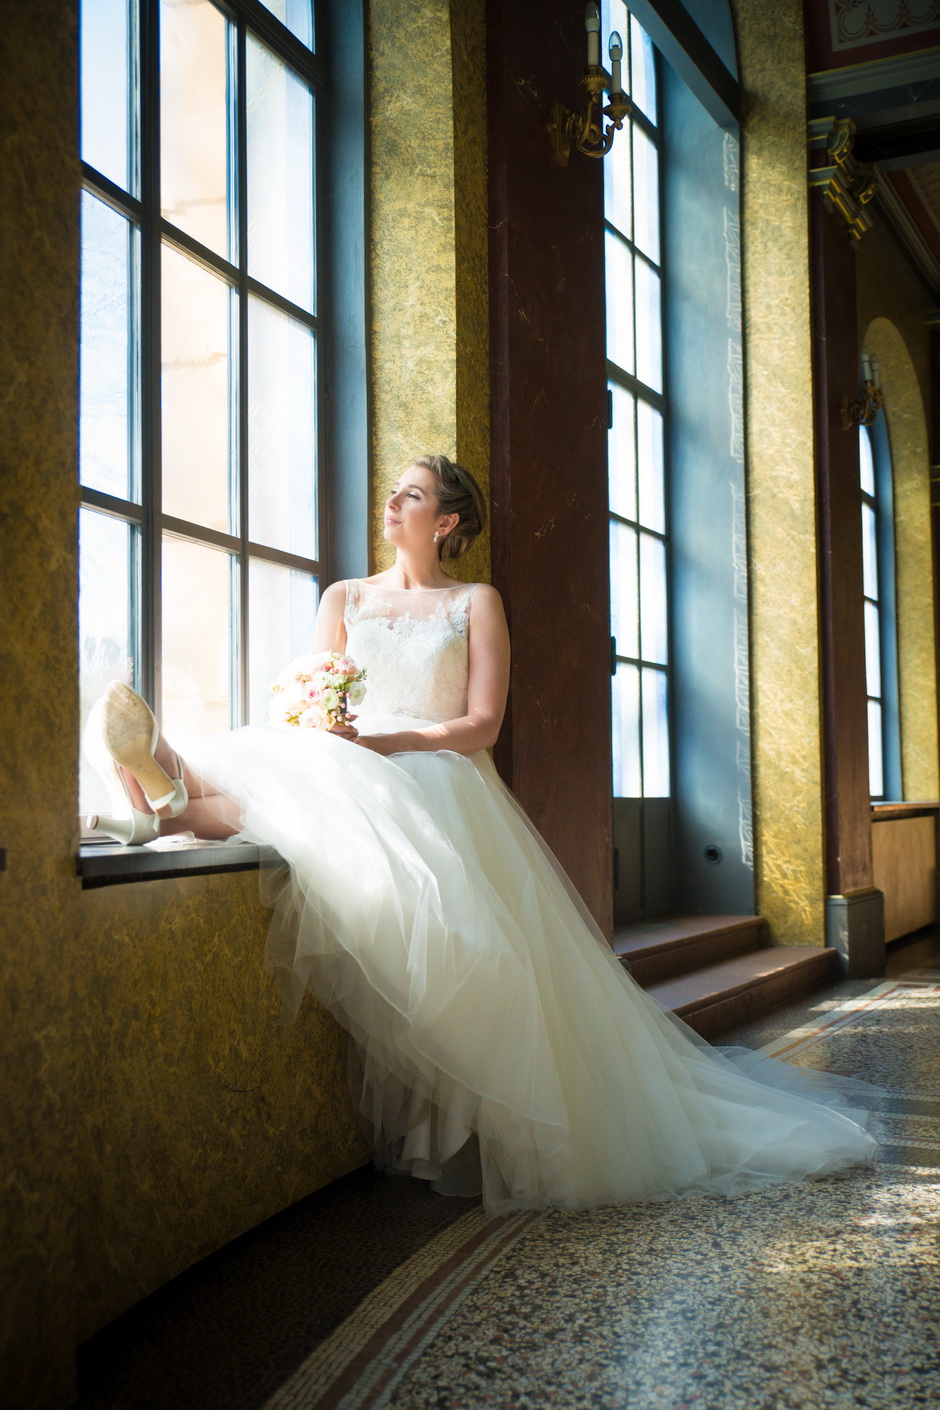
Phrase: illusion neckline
[387,587]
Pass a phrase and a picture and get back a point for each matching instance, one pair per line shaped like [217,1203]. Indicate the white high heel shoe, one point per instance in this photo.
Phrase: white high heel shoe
[122,732]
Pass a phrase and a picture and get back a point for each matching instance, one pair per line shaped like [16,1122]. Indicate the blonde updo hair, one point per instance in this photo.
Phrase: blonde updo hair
[457,493]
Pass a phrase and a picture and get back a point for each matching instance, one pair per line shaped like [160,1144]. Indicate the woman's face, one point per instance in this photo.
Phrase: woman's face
[412,513]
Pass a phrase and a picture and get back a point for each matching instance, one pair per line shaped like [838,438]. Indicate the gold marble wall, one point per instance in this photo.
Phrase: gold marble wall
[785,677]
[151,1106]
[39,895]
[203,1113]
[430,373]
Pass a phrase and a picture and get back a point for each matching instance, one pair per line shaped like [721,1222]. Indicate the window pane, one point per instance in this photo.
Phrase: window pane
[107,427]
[646,194]
[297,15]
[282,605]
[653,646]
[280,177]
[866,461]
[614,16]
[618,184]
[621,453]
[198,635]
[869,552]
[625,709]
[643,83]
[872,649]
[651,467]
[624,625]
[106,91]
[655,735]
[649,334]
[282,444]
[876,776]
[619,303]
[107,551]
[195,182]
[196,392]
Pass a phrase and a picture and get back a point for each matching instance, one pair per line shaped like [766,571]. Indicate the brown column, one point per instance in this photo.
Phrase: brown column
[854,909]
[934,414]
[548,468]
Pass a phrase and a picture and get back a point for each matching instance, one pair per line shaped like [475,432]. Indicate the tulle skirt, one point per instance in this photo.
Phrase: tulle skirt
[503,1048]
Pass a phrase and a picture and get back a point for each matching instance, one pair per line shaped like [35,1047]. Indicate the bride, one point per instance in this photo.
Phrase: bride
[503,1048]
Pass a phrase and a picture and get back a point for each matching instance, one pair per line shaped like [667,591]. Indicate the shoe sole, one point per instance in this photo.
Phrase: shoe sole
[132,733]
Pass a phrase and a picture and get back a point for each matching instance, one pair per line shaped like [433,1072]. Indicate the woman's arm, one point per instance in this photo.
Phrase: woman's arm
[329,634]
[487,688]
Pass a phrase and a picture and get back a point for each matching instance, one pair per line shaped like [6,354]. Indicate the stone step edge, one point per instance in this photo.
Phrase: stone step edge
[790,958]
[640,945]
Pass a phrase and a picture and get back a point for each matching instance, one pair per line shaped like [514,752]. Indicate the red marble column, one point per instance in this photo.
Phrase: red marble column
[548,471]
[934,413]
[842,631]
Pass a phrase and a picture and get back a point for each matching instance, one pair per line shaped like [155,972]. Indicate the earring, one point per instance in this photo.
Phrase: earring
[436,536]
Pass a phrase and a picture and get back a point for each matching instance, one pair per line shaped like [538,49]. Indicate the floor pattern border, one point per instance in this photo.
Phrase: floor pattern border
[360,1364]
[800,1040]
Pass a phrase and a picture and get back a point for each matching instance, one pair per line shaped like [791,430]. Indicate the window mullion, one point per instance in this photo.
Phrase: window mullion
[241,206]
[148,334]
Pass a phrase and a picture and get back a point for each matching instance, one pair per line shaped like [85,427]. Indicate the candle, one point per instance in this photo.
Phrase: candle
[866,367]
[592,23]
[615,50]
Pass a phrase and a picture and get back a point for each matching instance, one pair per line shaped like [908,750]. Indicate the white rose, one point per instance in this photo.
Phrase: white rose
[329,700]
[355,693]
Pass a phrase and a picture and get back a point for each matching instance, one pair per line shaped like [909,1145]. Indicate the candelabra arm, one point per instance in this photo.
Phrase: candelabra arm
[585,129]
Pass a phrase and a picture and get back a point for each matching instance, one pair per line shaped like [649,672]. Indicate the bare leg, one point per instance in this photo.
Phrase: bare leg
[213,818]
[209,814]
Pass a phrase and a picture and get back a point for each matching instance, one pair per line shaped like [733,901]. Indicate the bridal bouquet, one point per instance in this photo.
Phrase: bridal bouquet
[317,692]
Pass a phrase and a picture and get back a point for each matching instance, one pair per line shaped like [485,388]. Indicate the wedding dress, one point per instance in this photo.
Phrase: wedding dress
[497,1032]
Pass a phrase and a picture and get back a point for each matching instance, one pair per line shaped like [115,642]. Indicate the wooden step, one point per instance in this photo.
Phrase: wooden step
[659,949]
[722,995]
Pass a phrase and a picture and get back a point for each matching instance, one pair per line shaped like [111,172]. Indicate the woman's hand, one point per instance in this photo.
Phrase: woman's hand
[347,731]
[386,743]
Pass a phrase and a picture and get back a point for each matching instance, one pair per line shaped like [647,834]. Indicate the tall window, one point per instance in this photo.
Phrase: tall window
[636,465]
[200,538]
[881,670]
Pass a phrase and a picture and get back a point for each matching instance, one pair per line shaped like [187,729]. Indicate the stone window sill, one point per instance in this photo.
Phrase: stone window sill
[110,864]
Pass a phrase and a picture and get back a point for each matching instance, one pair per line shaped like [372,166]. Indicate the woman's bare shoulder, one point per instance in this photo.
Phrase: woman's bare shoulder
[334,591]
[486,596]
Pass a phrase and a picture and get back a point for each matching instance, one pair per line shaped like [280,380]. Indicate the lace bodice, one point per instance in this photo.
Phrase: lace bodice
[414,647]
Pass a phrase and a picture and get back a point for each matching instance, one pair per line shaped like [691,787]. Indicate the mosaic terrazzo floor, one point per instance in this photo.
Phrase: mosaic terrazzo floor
[817,1295]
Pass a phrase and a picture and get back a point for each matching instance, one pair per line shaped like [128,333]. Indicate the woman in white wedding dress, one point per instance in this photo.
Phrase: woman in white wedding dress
[503,1047]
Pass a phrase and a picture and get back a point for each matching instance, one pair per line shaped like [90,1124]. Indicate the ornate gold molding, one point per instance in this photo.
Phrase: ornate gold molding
[846,183]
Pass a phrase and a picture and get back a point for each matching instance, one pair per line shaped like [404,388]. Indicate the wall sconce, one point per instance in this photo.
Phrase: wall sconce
[585,130]
[863,411]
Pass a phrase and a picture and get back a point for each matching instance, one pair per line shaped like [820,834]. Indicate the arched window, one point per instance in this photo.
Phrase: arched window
[881,662]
